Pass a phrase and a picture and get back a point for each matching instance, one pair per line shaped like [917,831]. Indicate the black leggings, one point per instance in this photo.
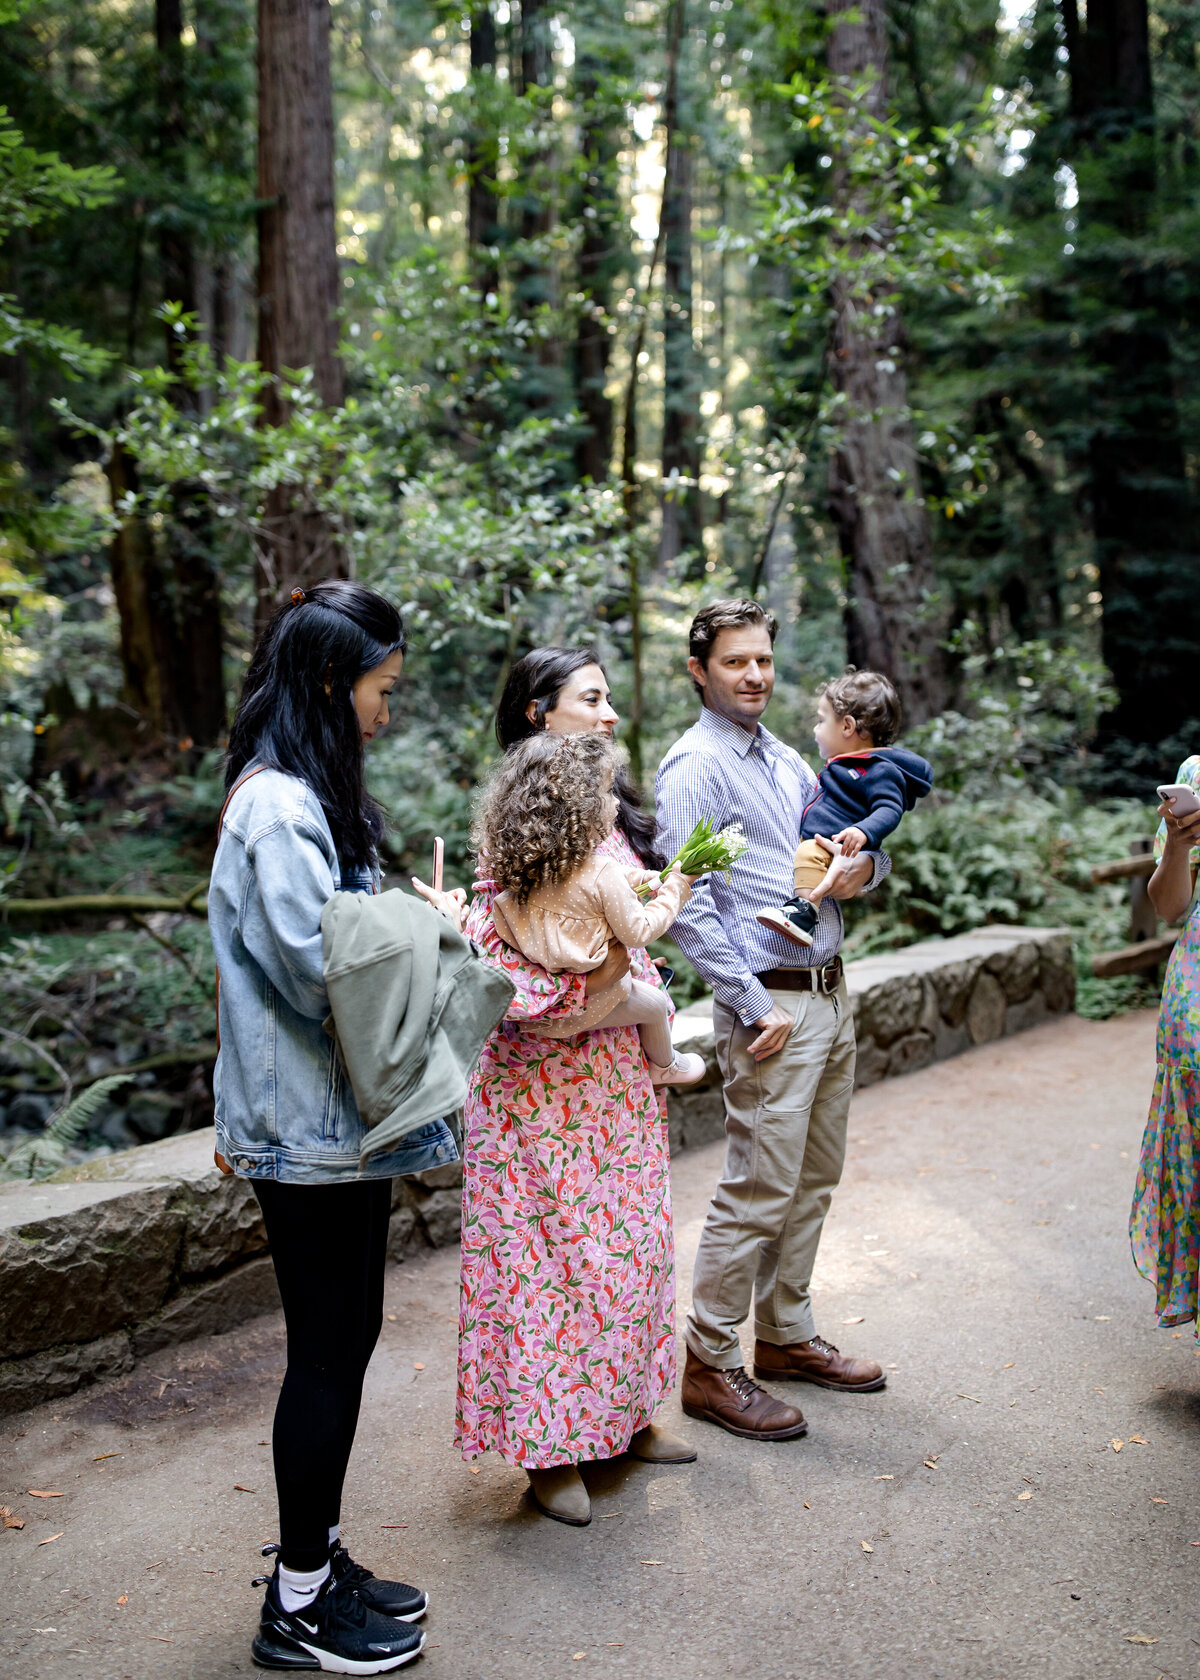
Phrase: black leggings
[328,1242]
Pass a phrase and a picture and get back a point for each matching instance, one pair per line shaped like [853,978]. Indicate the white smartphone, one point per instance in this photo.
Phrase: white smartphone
[439,857]
[1180,797]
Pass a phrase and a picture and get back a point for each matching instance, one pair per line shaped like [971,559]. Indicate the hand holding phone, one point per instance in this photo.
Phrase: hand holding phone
[1180,797]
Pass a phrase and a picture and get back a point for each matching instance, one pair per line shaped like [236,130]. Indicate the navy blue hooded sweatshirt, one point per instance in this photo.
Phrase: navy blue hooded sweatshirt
[870,790]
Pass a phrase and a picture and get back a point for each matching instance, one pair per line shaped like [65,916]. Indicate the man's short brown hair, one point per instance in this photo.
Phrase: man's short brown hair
[870,699]
[726,615]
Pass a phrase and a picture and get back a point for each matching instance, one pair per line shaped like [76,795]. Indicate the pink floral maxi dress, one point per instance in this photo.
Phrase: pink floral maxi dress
[567,1308]
[1164,1225]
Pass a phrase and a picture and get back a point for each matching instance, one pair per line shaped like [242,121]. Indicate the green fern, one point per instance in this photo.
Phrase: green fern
[42,1156]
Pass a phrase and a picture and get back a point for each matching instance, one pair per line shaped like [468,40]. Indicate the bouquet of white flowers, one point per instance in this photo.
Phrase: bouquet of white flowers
[705,851]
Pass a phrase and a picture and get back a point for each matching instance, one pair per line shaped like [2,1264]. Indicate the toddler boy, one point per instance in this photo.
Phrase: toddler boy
[865,788]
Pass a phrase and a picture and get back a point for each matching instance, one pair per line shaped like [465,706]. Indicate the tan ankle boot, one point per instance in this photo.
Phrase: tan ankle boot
[655,1445]
[560,1493]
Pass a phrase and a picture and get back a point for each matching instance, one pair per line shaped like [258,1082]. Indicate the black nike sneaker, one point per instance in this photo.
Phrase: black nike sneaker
[796,920]
[337,1633]
[390,1598]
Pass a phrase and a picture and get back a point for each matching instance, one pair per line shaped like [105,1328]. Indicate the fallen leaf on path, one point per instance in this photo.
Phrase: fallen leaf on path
[653,1563]
[616,1644]
[161,1639]
[34,1493]
[45,1630]
[1041,1222]
[238,1488]
[1102,1318]
[974,1397]
[1154,1501]
[474,1469]
[932,1463]
[866,1546]
[9,1521]
[100,1456]
[885,1478]
[857,1320]
[808,1507]
[124,1599]
[1140,1639]
[1009,1366]
[1116,1445]
[391,1317]
[578,1656]
[50,1537]
[1140,1439]
[418,1366]
[1028,1494]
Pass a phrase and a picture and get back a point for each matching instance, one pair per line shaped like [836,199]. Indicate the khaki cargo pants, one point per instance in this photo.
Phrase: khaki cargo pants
[785,1130]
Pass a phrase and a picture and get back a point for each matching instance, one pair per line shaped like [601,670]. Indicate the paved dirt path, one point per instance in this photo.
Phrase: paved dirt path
[972,1523]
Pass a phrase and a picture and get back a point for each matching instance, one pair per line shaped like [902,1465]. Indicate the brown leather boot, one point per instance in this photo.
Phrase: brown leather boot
[733,1400]
[817,1361]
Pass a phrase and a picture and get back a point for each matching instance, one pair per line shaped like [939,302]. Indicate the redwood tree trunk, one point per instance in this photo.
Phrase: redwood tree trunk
[483,204]
[1142,510]
[298,292]
[599,216]
[682,377]
[893,621]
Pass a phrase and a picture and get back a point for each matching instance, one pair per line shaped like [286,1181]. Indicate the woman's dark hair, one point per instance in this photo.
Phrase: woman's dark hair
[297,708]
[539,679]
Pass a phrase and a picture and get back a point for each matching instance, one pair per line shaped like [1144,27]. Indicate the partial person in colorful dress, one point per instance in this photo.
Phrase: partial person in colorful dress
[567,1309]
[1164,1224]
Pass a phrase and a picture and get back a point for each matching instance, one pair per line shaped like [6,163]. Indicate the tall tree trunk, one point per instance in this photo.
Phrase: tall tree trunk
[1142,511]
[143,607]
[893,622]
[629,413]
[682,376]
[483,203]
[535,280]
[194,677]
[598,213]
[298,292]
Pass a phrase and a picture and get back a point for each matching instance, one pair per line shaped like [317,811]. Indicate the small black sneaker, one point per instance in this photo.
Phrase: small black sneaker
[390,1598]
[337,1633]
[795,920]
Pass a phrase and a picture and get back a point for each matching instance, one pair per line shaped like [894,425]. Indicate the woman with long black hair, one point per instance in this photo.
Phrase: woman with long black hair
[298,826]
[567,1312]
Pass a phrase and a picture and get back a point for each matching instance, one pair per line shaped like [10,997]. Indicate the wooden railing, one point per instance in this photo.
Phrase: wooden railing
[1147,948]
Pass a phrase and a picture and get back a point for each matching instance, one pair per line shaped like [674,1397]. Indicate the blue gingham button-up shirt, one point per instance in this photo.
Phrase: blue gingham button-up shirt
[719,770]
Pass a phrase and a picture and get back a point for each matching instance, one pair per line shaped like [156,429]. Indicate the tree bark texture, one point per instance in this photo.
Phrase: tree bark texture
[483,203]
[601,252]
[682,375]
[298,291]
[535,280]
[893,621]
[1142,509]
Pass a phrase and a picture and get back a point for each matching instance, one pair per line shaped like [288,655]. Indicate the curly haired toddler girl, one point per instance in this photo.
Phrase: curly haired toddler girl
[543,813]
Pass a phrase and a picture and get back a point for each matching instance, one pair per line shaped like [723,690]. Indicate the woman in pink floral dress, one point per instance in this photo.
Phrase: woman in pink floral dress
[567,1316]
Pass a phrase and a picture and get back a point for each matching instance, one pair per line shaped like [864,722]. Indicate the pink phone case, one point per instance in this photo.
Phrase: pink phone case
[439,853]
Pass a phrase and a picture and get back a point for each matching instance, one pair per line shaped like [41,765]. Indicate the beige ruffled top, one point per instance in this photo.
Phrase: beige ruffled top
[567,928]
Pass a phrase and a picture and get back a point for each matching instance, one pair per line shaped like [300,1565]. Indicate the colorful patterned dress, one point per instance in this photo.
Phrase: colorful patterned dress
[567,1310]
[1164,1226]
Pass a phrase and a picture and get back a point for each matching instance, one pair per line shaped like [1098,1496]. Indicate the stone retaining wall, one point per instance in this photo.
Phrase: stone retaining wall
[125,1255]
[912,1007]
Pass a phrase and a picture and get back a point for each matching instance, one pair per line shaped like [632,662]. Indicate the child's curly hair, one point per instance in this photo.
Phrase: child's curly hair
[542,811]
[870,699]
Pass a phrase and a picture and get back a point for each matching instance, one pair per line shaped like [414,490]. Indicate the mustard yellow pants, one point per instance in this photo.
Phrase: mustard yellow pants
[809,865]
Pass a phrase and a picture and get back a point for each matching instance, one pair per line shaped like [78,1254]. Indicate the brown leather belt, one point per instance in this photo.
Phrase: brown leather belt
[826,979]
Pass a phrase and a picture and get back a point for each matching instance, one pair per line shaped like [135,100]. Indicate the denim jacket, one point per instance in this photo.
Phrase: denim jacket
[284,1106]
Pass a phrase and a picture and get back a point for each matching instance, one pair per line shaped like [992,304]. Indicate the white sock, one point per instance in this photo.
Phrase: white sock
[335,1535]
[296,1589]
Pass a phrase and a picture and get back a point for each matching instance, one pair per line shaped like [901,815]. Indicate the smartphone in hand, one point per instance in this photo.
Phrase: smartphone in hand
[439,858]
[1180,797]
